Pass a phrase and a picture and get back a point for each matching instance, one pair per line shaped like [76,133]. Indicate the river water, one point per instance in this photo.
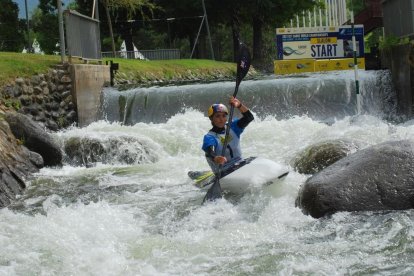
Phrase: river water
[146,218]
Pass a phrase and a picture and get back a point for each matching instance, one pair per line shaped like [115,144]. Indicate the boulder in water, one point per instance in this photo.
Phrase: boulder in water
[380,177]
[319,156]
[122,150]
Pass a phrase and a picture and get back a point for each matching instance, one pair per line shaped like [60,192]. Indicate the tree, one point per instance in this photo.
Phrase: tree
[46,26]
[11,38]
[272,13]
[131,7]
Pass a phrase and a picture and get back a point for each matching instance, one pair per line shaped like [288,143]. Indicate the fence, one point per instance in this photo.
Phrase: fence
[82,36]
[158,54]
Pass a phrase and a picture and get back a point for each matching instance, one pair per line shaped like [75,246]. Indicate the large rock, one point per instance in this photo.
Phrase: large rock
[319,156]
[15,165]
[380,177]
[114,150]
[35,138]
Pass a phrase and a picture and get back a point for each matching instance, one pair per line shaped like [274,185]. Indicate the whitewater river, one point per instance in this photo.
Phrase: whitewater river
[146,218]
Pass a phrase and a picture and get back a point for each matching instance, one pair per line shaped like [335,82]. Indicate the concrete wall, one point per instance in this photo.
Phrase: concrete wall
[88,80]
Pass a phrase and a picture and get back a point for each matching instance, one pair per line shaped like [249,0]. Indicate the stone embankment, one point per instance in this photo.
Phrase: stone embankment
[46,98]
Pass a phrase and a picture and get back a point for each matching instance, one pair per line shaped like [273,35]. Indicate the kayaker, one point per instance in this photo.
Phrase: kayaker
[214,140]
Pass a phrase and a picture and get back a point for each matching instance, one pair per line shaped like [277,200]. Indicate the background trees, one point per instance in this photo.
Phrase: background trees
[10,36]
[152,24]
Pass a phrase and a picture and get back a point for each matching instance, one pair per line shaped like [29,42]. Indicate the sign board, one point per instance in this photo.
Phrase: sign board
[318,43]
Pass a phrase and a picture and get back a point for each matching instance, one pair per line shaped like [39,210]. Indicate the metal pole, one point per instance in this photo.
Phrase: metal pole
[61,33]
[29,47]
[93,9]
[208,30]
[195,42]
[169,30]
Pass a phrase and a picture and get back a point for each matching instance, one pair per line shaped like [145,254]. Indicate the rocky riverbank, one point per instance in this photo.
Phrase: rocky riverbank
[24,148]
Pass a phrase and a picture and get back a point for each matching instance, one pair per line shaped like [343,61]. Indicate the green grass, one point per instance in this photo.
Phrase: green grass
[14,65]
[141,71]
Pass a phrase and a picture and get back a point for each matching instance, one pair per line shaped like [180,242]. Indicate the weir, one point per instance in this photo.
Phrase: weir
[325,97]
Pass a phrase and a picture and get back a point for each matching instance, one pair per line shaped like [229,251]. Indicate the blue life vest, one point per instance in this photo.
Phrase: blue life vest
[233,151]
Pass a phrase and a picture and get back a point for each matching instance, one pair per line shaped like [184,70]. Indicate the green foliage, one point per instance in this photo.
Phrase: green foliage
[61,121]
[12,103]
[21,142]
[10,36]
[389,41]
[355,5]
[372,40]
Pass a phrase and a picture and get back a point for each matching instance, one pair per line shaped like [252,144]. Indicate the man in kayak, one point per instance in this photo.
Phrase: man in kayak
[214,140]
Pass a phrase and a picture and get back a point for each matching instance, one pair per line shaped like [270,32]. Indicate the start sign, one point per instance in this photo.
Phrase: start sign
[324,50]
[318,42]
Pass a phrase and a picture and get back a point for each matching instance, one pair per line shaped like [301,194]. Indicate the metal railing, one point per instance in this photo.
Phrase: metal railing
[159,54]
[82,35]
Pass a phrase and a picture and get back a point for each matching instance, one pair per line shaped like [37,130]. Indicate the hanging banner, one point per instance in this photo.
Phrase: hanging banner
[318,43]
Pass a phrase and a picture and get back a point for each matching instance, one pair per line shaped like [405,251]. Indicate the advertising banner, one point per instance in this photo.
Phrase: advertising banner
[318,42]
[294,66]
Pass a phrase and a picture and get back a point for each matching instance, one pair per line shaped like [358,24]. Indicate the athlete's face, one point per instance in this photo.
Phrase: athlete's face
[219,119]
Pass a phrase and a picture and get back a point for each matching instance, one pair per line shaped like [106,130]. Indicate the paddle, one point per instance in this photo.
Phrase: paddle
[243,65]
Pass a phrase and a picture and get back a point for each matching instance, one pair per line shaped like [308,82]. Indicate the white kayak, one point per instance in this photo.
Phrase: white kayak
[243,176]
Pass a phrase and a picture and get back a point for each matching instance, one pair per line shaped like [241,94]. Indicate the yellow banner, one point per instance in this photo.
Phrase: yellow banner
[338,64]
[323,40]
[283,67]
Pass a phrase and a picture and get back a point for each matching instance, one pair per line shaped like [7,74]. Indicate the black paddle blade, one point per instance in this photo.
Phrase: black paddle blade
[214,192]
[243,62]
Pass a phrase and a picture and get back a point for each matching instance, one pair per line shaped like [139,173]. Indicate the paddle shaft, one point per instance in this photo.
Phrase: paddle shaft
[223,151]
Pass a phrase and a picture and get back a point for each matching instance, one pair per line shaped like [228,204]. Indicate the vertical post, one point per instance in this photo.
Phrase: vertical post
[326,13]
[297,21]
[97,10]
[355,61]
[61,33]
[169,33]
[208,30]
[303,19]
[93,9]
[29,47]
[196,40]
[336,14]
[320,18]
[344,11]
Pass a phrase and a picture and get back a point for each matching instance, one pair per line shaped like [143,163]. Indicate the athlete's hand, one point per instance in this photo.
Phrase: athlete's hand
[235,102]
[220,160]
